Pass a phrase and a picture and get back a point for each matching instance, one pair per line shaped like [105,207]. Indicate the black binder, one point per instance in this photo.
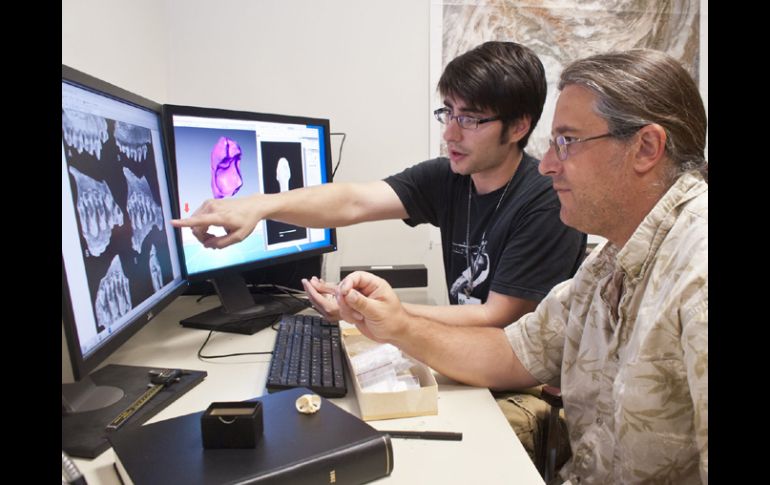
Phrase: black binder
[330,446]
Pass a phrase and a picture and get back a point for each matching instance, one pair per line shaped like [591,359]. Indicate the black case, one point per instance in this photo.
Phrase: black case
[232,425]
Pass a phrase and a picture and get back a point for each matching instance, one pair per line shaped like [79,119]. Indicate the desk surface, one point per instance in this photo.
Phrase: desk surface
[489,452]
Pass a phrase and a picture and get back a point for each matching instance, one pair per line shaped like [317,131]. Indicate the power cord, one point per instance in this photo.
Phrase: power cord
[208,337]
[283,289]
[292,292]
[339,156]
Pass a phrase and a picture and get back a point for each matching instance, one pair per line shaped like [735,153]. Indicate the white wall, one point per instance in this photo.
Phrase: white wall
[123,43]
[361,63]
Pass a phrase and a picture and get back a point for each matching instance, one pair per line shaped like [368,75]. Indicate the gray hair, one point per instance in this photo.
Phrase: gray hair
[642,86]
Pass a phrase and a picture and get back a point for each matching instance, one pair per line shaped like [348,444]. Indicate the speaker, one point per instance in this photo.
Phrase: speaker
[399,276]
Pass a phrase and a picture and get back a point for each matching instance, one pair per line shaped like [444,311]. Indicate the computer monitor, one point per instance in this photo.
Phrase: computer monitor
[217,153]
[120,261]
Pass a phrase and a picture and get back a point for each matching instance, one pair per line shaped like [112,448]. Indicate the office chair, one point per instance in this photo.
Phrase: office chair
[550,441]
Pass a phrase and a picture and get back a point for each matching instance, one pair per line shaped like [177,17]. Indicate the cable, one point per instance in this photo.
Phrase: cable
[339,157]
[275,286]
[292,293]
[257,289]
[201,356]
[277,318]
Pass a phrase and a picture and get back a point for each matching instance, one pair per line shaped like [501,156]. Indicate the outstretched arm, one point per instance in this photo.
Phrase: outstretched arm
[476,356]
[327,205]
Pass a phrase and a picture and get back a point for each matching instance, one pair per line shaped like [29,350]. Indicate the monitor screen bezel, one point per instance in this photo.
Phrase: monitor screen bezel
[81,365]
[170,110]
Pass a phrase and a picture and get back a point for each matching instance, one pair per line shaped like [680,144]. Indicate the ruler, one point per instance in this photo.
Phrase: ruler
[158,380]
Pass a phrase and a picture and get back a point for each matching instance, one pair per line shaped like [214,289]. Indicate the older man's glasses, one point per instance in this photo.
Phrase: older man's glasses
[561,143]
[445,116]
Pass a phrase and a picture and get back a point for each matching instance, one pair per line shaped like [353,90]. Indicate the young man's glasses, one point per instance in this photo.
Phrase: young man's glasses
[444,116]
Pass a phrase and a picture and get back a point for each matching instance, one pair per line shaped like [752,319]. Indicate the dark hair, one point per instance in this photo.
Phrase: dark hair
[643,86]
[504,77]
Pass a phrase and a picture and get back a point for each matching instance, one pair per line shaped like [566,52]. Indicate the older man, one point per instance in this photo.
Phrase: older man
[627,337]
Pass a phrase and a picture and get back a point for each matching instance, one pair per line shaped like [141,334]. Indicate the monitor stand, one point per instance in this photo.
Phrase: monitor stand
[241,312]
[86,395]
[84,434]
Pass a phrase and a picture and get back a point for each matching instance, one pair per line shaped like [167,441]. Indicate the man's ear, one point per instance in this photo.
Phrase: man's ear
[519,128]
[651,147]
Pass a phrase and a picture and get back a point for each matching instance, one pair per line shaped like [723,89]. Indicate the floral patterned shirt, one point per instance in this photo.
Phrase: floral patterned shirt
[627,341]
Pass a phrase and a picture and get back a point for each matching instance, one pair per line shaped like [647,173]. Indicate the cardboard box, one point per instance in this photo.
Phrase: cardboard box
[389,405]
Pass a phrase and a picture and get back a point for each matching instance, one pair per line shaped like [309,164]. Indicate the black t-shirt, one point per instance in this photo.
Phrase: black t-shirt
[527,249]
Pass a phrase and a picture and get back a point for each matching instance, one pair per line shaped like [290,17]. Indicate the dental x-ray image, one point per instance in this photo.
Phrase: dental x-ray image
[115,191]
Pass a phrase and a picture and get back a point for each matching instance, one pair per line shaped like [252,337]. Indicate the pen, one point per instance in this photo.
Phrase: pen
[426,435]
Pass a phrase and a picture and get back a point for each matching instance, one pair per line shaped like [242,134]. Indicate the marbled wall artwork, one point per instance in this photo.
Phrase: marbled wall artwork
[560,31]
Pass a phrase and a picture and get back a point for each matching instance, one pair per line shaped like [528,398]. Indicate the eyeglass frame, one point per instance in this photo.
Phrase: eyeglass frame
[462,119]
[561,143]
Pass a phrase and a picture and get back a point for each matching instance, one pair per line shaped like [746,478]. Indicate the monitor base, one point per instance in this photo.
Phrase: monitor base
[84,395]
[269,310]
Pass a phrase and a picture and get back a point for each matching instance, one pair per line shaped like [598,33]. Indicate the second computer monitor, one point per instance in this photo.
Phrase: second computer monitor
[221,154]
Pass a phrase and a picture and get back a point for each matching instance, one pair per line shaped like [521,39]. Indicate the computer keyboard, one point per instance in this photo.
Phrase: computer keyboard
[308,353]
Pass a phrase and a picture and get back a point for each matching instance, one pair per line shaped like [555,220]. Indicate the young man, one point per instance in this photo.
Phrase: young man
[627,337]
[504,245]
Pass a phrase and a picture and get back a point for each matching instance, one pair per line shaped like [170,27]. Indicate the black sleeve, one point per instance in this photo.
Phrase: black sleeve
[421,189]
